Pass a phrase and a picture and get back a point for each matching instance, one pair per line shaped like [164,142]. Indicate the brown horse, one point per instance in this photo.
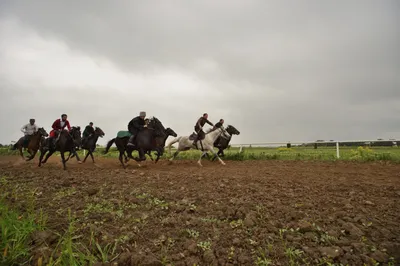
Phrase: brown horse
[31,146]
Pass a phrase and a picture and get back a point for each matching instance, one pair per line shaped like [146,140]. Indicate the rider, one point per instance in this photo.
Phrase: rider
[89,130]
[199,127]
[58,126]
[29,130]
[219,124]
[136,125]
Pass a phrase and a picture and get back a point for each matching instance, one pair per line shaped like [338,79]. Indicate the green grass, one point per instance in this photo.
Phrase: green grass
[16,228]
[279,153]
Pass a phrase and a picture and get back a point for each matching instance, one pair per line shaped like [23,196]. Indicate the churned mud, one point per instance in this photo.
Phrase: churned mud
[244,213]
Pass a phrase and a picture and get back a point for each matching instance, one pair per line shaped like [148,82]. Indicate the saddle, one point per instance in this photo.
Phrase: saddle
[193,136]
[25,142]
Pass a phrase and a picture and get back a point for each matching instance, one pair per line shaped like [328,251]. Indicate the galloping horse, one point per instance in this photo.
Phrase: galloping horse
[222,143]
[155,136]
[90,143]
[160,142]
[67,141]
[186,143]
[33,145]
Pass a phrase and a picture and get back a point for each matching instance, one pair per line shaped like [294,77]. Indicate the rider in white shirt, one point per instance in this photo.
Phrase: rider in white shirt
[29,129]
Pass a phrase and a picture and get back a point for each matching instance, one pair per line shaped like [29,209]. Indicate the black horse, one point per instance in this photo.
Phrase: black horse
[67,142]
[160,142]
[150,139]
[89,144]
[222,143]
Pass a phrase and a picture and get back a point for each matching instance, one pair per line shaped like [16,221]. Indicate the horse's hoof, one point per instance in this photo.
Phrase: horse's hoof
[79,162]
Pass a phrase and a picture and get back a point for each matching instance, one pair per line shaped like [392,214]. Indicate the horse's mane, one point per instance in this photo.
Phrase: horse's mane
[158,126]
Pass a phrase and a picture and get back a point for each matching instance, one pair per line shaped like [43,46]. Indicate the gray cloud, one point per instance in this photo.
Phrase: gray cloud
[277,70]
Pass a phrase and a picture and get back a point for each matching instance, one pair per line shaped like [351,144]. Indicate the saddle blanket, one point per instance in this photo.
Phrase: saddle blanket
[123,134]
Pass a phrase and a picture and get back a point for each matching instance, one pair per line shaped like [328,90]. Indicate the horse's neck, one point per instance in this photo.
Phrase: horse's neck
[36,136]
[213,135]
[164,139]
[95,138]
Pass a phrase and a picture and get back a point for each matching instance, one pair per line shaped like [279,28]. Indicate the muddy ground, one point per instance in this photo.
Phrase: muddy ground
[244,213]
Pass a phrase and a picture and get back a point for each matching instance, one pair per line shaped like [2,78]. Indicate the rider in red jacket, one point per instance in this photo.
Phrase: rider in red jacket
[58,125]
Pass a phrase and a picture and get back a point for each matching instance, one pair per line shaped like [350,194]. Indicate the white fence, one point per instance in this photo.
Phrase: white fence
[395,142]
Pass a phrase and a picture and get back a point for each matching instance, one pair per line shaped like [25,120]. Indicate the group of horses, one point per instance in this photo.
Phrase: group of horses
[152,138]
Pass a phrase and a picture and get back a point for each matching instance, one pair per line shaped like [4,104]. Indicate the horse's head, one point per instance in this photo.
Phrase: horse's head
[99,132]
[43,132]
[157,126]
[170,132]
[76,134]
[232,130]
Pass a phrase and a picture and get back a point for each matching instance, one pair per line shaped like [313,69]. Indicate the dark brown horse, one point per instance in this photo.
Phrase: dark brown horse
[67,142]
[160,142]
[151,139]
[90,143]
[223,143]
[32,145]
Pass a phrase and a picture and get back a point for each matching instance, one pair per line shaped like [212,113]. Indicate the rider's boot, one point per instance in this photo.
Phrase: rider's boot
[130,142]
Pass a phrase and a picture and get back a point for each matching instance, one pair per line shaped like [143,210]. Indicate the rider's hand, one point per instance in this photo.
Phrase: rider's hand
[145,126]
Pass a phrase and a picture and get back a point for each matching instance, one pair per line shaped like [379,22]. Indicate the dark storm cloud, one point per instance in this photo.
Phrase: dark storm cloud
[278,70]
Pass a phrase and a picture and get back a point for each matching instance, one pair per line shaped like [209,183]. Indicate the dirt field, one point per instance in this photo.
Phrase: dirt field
[244,213]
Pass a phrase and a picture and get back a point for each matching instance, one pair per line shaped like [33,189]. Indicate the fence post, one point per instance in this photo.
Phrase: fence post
[241,149]
[337,150]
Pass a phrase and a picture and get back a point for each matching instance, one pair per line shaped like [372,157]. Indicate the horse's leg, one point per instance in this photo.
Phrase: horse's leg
[42,153]
[149,153]
[69,156]
[201,156]
[159,154]
[216,155]
[32,155]
[84,160]
[120,158]
[48,155]
[20,152]
[174,155]
[91,155]
[77,157]
[142,156]
[63,160]
[126,156]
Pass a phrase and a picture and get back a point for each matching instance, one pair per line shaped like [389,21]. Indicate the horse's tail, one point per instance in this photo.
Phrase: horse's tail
[14,147]
[175,140]
[109,144]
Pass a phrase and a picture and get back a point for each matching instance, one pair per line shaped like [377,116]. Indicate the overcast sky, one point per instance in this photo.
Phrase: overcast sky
[276,70]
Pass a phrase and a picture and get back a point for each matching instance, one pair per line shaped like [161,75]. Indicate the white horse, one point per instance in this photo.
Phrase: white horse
[205,145]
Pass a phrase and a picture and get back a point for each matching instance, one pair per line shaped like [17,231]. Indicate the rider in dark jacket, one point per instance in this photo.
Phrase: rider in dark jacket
[135,125]
[199,127]
[219,124]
